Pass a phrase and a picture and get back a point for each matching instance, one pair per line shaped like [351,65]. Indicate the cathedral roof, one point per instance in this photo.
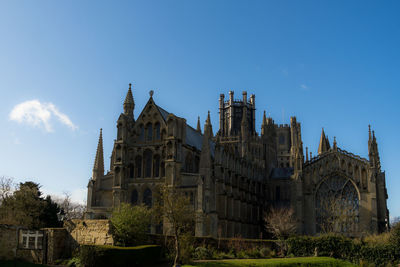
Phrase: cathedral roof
[193,137]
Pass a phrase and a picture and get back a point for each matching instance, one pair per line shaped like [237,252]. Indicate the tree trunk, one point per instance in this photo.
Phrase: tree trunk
[177,248]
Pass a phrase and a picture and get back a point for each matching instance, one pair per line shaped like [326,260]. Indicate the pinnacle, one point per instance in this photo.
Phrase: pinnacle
[99,160]
[129,96]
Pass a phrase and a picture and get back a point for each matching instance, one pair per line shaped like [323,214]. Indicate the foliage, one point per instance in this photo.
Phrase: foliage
[99,256]
[306,261]
[175,208]
[377,239]
[281,222]
[394,237]
[130,224]
[27,207]
[201,253]
[344,248]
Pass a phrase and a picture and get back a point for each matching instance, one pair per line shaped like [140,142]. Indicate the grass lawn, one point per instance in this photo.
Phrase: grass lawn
[303,261]
[17,263]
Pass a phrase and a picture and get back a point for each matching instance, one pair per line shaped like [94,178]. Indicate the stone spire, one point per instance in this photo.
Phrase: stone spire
[129,103]
[198,124]
[264,122]
[323,143]
[334,143]
[208,127]
[98,168]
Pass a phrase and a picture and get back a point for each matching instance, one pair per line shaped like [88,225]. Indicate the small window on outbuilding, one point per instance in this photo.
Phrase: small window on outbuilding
[29,239]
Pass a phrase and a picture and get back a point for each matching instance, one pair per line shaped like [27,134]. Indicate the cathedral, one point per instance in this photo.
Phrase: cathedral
[235,175]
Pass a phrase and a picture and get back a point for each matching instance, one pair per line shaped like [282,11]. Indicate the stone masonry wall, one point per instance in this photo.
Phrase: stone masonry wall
[8,241]
[58,244]
[93,232]
[9,246]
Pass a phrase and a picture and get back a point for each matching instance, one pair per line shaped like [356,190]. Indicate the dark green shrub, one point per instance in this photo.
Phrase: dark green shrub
[301,246]
[100,256]
[202,253]
[265,252]
[394,238]
[130,224]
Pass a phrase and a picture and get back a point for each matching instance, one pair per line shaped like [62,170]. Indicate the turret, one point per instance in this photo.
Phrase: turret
[129,103]
[373,152]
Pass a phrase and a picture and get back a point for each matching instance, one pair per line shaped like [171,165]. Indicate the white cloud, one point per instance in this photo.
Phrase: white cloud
[304,87]
[37,114]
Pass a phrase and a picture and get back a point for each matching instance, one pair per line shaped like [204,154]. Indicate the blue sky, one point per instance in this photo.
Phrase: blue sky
[333,64]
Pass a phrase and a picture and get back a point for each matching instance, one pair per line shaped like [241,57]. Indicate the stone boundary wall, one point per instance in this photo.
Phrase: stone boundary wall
[9,246]
[89,232]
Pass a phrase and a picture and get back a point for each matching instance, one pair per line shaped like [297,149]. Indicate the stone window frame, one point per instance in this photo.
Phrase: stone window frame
[25,239]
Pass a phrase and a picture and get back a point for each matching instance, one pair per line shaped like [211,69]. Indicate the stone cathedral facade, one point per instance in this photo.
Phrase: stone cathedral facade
[234,175]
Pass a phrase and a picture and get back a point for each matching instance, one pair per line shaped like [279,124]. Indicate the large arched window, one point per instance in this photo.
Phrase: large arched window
[141,133]
[147,198]
[131,171]
[134,197]
[156,166]
[162,168]
[149,132]
[148,160]
[337,206]
[189,162]
[157,131]
[138,163]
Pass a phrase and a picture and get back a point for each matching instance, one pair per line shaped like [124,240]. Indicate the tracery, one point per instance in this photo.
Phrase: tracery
[337,206]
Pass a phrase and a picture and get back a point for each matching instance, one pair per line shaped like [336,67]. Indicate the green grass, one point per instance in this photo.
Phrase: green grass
[304,261]
[18,263]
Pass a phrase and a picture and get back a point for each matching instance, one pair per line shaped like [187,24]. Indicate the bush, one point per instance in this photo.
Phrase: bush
[186,247]
[130,224]
[394,237]
[265,252]
[344,248]
[91,255]
[202,253]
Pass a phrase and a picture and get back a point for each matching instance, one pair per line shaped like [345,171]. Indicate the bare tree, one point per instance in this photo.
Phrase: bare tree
[336,215]
[6,187]
[72,210]
[178,213]
[281,222]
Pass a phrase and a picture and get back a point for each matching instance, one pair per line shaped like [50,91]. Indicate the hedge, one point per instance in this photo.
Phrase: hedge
[91,255]
[341,247]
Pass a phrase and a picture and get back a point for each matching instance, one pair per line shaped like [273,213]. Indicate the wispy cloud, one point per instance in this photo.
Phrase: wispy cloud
[304,87]
[37,114]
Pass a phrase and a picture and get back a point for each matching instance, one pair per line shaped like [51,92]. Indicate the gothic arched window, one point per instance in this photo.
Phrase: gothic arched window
[134,197]
[131,171]
[156,166]
[141,133]
[281,139]
[337,206]
[162,169]
[189,163]
[149,132]
[147,198]
[157,131]
[138,163]
[148,160]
